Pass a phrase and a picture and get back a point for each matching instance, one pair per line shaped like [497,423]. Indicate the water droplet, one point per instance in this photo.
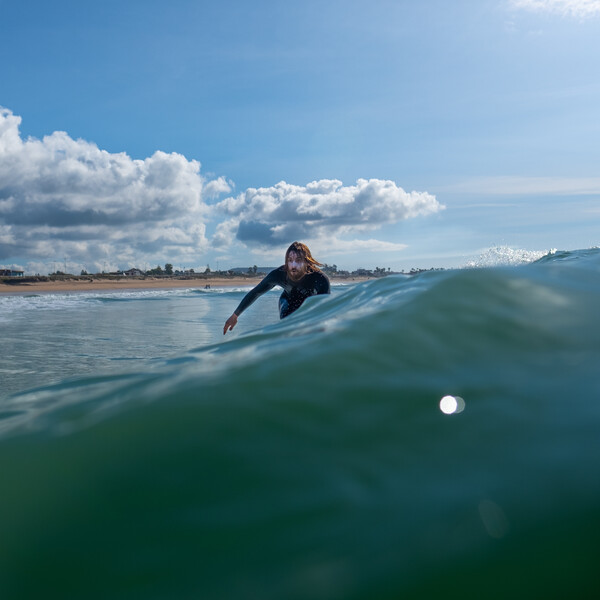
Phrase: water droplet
[452,405]
[493,518]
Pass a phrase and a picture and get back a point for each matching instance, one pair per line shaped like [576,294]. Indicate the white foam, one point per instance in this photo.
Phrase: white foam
[499,256]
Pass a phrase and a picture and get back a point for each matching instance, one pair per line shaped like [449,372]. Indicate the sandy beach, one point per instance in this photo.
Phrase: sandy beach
[87,285]
[74,285]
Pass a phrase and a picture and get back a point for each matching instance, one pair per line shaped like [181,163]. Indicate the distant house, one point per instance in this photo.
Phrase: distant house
[250,269]
[11,273]
[133,273]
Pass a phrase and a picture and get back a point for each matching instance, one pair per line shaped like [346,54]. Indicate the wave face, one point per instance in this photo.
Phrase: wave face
[310,458]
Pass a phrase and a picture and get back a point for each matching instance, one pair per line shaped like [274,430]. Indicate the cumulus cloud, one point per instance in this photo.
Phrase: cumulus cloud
[320,210]
[64,196]
[66,199]
[573,8]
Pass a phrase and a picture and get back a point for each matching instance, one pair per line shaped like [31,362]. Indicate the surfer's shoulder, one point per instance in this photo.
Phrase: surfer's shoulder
[317,274]
[320,281]
[277,275]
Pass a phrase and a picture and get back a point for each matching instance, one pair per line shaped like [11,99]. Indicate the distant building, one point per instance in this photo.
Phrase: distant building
[11,273]
[133,273]
[247,269]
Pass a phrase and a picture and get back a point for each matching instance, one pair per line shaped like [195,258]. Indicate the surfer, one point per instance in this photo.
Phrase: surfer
[300,278]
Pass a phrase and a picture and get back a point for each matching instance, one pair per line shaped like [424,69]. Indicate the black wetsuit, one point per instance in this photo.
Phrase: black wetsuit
[294,293]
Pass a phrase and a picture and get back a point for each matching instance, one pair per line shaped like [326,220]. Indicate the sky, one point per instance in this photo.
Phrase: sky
[394,134]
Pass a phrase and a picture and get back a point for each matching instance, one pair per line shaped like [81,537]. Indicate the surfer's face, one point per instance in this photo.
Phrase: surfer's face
[296,266]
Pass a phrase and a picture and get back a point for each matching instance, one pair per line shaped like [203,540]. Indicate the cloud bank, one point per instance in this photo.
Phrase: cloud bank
[64,197]
[572,8]
[321,209]
[61,197]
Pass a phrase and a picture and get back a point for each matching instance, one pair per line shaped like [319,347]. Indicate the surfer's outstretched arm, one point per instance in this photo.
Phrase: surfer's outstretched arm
[270,281]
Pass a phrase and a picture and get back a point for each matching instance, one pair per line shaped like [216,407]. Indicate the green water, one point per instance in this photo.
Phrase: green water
[310,458]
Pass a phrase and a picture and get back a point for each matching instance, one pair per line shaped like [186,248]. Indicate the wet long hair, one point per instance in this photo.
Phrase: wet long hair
[312,265]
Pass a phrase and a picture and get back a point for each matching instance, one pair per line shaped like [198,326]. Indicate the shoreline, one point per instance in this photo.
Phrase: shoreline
[74,285]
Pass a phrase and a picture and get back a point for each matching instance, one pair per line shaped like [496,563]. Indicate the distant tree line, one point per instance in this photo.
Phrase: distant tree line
[253,271]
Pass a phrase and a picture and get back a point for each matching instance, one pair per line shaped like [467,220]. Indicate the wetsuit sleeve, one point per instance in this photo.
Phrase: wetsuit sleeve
[322,285]
[268,283]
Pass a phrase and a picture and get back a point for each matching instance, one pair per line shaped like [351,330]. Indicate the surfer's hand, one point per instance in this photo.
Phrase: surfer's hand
[230,323]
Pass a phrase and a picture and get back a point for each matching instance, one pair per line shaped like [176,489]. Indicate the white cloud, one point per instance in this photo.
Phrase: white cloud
[333,249]
[523,186]
[371,245]
[320,210]
[571,8]
[60,196]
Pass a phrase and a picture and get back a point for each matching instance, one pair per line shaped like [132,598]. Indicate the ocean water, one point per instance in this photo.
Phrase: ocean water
[433,436]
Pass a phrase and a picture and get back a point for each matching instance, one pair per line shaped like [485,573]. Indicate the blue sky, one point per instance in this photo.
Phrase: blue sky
[383,133]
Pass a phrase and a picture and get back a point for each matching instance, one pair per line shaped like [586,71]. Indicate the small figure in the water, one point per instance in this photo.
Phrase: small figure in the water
[300,277]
